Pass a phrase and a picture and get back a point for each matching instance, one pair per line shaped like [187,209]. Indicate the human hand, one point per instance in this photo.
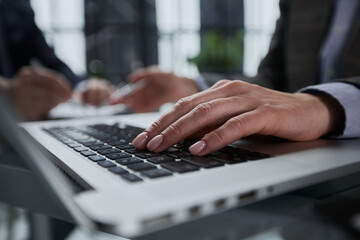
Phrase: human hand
[35,91]
[231,110]
[96,92]
[159,87]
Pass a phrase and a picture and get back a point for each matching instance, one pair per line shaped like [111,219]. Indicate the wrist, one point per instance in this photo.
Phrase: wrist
[330,111]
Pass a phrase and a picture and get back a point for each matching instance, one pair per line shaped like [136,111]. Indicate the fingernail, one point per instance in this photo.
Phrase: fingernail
[140,140]
[155,142]
[197,147]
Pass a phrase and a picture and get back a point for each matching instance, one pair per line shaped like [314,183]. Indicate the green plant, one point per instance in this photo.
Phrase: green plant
[220,53]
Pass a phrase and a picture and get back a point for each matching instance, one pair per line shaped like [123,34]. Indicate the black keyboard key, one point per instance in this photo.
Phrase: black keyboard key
[204,162]
[82,140]
[131,178]
[87,153]
[66,141]
[118,142]
[73,145]
[109,151]
[180,154]
[131,150]
[118,170]
[228,158]
[172,149]
[124,146]
[106,164]
[96,158]
[234,150]
[99,147]
[256,156]
[80,149]
[156,173]
[146,154]
[128,161]
[114,156]
[91,143]
[161,159]
[184,144]
[141,166]
[179,167]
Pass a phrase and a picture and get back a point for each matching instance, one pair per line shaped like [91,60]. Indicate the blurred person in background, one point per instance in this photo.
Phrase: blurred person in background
[35,90]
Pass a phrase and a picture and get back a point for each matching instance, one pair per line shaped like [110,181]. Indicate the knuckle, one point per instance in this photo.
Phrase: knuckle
[204,110]
[224,81]
[239,85]
[156,126]
[174,129]
[182,103]
[221,83]
[267,108]
[216,137]
[236,124]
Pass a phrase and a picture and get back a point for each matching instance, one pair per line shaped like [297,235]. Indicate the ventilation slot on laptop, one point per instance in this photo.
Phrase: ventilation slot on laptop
[220,203]
[194,211]
[156,221]
[246,197]
[77,187]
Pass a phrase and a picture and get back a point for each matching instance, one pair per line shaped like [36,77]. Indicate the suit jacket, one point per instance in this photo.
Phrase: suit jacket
[24,41]
[293,61]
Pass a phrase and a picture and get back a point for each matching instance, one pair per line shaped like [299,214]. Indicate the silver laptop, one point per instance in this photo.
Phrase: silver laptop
[131,192]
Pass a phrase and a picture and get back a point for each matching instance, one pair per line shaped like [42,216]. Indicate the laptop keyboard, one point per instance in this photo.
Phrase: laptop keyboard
[110,147]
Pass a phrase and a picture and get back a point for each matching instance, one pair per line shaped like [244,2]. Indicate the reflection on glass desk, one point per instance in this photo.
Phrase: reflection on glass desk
[286,217]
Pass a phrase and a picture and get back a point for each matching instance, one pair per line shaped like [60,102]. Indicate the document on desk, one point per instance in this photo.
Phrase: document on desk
[76,109]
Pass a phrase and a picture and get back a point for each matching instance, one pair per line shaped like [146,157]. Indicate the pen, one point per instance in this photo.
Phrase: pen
[128,89]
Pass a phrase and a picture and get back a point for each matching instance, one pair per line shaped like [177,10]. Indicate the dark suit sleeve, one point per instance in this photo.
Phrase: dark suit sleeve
[46,55]
[353,81]
[347,93]
[25,41]
[271,71]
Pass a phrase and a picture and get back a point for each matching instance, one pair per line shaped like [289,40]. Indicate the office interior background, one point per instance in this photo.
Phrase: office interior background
[111,38]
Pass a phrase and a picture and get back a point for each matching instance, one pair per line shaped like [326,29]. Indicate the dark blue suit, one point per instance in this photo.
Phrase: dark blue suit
[21,41]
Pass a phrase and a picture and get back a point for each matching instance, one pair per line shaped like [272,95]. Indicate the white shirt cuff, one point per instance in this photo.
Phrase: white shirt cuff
[349,98]
[201,83]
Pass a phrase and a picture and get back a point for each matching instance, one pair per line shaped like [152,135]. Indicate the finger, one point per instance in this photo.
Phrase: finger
[220,83]
[53,81]
[186,104]
[234,129]
[49,81]
[25,71]
[35,107]
[206,114]
[102,96]
[142,73]
[90,97]
[25,94]
[144,100]
[138,100]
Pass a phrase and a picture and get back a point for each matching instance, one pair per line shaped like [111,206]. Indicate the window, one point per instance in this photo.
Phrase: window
[62,22]
[119,36]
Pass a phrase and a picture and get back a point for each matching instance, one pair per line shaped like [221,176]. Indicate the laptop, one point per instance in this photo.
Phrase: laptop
[130,193]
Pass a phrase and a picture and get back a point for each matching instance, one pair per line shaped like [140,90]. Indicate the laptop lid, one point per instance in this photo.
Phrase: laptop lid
[39,161]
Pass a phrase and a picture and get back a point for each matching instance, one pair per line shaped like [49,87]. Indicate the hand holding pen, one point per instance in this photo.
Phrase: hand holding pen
[149,88]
